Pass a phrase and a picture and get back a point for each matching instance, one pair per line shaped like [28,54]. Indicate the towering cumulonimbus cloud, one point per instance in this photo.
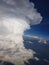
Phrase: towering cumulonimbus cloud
[16,16]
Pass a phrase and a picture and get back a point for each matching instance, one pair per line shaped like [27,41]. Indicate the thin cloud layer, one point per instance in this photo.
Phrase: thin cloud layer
[16,16]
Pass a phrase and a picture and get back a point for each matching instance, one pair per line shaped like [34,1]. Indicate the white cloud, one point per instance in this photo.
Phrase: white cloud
[16,16]
[14,52]
[25,8]
[39,39]
[42,41]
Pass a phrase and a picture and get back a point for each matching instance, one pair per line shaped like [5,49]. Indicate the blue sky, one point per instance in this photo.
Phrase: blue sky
[41,29]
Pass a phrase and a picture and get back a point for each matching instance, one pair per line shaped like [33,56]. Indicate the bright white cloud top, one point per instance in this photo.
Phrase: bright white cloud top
[16,16]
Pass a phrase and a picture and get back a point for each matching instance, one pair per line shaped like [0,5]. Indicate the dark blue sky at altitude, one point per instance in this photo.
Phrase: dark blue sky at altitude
[42,29]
